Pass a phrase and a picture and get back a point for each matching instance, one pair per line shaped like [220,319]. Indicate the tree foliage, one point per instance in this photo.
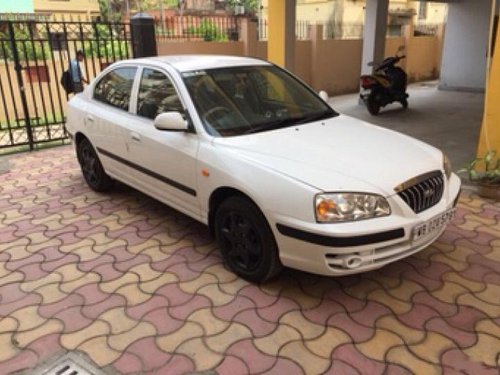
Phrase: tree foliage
[251,6]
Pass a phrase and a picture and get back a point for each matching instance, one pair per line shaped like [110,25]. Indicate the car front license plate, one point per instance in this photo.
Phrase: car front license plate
[433,225]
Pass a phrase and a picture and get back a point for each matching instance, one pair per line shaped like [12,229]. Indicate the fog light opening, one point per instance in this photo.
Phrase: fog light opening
[353,262]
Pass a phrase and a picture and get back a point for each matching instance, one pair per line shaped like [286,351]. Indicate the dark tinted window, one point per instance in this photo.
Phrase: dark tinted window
[156,95]
[115,88]
[241,100]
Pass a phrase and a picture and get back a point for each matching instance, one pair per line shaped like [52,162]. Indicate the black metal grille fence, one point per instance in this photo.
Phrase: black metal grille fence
[203,28]
[33,56]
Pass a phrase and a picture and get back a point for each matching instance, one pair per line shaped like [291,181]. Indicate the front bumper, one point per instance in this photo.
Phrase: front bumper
[349,248]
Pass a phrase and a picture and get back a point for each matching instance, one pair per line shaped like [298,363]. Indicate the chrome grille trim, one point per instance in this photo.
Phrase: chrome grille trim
[422,192]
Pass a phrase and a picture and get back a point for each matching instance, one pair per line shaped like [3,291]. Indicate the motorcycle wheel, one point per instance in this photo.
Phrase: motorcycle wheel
[373,105]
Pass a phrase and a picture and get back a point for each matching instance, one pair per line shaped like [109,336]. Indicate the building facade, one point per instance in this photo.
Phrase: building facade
[84,10]
[345,18]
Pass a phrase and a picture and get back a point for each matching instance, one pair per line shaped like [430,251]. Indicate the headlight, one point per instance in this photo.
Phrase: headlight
[447,166]
[341,207]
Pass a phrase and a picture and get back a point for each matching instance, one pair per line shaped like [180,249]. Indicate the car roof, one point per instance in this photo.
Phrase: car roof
[186,63]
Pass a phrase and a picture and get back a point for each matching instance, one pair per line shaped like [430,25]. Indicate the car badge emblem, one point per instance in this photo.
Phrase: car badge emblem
[428,193]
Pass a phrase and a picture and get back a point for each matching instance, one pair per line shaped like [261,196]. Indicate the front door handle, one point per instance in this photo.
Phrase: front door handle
[135,136]
[90,118]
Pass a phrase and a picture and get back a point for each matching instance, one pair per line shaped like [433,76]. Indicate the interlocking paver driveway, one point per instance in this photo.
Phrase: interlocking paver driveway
[141,288]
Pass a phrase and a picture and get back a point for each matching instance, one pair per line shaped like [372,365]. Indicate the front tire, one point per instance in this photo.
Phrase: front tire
[373,105]
[246,240]
[91,167]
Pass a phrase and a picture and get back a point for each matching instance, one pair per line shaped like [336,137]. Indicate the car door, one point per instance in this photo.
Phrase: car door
[165,161]
[111,103]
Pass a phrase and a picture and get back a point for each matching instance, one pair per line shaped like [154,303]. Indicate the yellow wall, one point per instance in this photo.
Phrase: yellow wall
[353,12]
[490,130]
[277,44]
[71,8]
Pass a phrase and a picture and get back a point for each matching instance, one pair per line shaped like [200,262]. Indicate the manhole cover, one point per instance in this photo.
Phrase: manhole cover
[68,364]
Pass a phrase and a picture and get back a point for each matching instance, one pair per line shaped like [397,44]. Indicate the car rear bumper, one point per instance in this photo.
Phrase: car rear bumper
[343,249]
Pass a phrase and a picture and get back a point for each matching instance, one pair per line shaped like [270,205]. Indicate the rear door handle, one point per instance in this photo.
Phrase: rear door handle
[135,136]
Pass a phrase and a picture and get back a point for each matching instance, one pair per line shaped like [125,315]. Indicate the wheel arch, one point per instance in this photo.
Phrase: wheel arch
[79,137]
[218,196]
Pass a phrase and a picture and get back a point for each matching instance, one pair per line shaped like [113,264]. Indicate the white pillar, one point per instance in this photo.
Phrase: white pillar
[374,33]
[465,49]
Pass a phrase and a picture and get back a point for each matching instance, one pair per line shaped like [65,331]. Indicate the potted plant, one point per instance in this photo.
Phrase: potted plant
[484,174]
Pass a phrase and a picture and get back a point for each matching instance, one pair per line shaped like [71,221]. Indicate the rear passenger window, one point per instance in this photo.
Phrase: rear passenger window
[157,95]
[115,88]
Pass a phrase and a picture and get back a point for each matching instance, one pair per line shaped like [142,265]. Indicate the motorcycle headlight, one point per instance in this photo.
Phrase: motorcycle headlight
[447,166]
[342,207]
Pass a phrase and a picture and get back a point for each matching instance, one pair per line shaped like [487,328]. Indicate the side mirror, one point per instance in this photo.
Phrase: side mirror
[323,95]
[172,121]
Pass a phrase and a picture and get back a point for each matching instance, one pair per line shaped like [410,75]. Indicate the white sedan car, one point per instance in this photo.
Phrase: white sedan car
[279,177]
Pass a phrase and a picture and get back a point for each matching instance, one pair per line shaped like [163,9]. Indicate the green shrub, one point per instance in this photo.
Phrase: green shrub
[209,31]
[27,49]
[484,170]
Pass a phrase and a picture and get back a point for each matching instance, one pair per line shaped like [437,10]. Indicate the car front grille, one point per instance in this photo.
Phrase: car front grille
[422,192]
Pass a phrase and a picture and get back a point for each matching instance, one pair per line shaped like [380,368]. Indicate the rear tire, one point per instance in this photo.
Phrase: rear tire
[373,105]
[246,240]
[404,103]
[91,167]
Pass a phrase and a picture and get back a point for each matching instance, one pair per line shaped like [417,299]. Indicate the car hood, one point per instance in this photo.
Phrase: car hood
[338,154]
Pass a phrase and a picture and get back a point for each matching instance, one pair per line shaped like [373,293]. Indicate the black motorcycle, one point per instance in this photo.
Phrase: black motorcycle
[386,85]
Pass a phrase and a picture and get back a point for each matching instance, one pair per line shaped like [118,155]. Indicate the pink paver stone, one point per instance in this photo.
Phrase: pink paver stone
[348,353]
[237,305]
[28,300]
[255,360]
[232,365]
[73,319]
[128,364]
[49,310]
[458,362]
[163,322]
[151,357]
[274,312]
[91,294]
[178,364]
[155,302]
[255,323]
[93,311]
[181,312]
[285,366]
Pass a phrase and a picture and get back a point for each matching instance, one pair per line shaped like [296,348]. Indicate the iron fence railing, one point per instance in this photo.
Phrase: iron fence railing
[425,29]
[301,29]
[33,56]
[192,28]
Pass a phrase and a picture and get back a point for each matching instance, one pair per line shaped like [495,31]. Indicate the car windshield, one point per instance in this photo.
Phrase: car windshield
[243,100]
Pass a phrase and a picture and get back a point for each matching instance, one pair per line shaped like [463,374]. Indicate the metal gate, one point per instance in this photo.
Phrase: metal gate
[33,56]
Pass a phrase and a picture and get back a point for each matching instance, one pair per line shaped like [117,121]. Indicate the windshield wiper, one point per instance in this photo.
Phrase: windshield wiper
[316,116]
[272,125]
[290,121]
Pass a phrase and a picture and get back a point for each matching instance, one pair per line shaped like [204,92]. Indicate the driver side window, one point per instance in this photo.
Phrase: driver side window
[156,95]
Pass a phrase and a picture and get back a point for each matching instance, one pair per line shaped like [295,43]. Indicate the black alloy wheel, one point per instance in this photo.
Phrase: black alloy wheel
[91,167]
[247,243]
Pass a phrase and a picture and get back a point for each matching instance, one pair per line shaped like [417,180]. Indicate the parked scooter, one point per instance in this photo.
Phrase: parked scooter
[386,85]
